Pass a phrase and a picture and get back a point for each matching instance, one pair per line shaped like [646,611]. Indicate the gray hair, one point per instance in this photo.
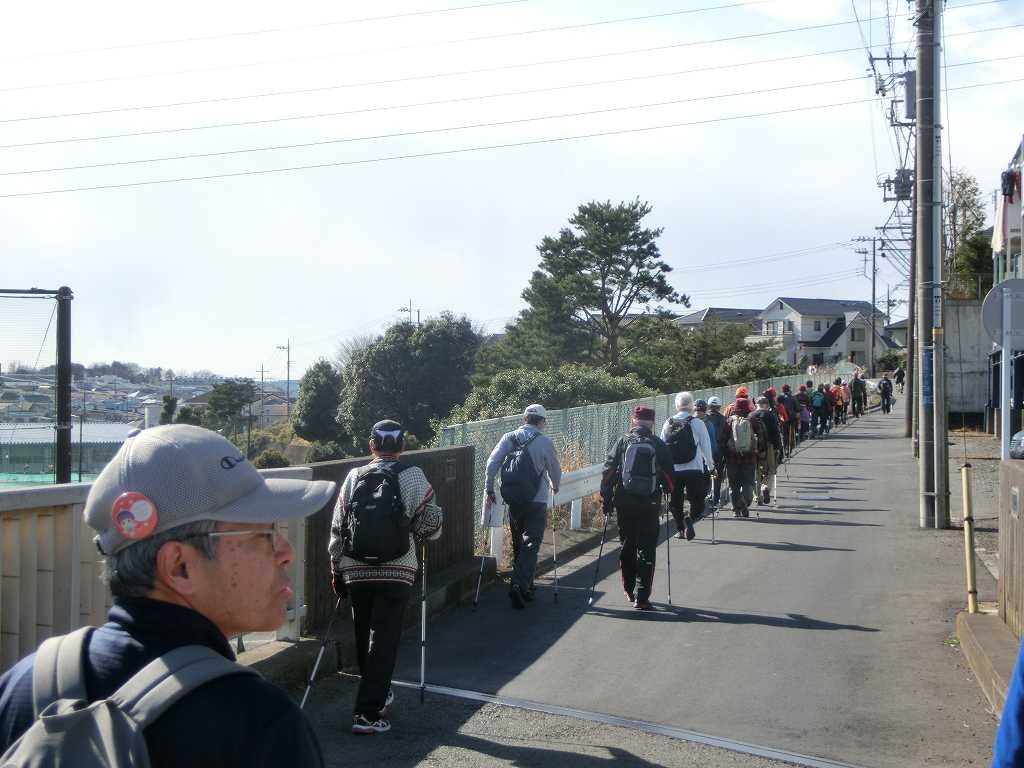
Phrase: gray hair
[684,400]
[130,572]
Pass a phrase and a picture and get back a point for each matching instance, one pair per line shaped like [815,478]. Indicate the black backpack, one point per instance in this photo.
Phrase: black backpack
[520,479]
[639,473]
[681,442]
[375,528]
[885,387]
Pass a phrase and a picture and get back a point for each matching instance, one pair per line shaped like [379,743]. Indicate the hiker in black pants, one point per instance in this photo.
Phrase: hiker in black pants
[715,423]
[819,412]
[379,588]
[885,390]
[687,439]
[859,390]
[638,470]
[900,377]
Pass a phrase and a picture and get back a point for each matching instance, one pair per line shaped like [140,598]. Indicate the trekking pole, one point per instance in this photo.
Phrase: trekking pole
[597,563]
[423,623]
[668,556]
[479,579]
[554,548]
[320,655]
[714,508]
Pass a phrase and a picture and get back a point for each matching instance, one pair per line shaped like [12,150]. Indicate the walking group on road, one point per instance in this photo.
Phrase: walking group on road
[194,554]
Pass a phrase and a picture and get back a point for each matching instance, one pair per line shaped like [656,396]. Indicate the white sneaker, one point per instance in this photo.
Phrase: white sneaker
[363,725]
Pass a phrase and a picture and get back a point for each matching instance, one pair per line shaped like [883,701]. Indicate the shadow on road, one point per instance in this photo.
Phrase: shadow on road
[665,612]
[800,521]
[784,546]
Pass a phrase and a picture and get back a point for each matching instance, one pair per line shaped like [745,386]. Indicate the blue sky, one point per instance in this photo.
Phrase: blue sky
[216,274]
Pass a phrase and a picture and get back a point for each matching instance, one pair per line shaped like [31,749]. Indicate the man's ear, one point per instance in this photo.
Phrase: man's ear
[174,568]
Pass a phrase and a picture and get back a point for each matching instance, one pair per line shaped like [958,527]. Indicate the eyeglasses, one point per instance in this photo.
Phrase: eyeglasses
[273,533]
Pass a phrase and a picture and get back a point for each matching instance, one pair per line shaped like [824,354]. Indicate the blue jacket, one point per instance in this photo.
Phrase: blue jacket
[1009,747]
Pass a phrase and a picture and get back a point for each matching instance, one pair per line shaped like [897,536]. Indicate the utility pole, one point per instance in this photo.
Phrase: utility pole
[62,464]
[874,305]
[928,178]
[263,398]
[288,381]
[910,420]
[941,409]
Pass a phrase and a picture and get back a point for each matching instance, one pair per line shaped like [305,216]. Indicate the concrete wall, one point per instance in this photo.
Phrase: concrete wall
[967,349]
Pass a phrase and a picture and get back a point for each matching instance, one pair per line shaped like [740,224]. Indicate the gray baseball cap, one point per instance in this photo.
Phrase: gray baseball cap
[167,476]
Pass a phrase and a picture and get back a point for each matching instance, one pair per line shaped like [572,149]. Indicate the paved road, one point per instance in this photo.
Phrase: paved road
[822,628]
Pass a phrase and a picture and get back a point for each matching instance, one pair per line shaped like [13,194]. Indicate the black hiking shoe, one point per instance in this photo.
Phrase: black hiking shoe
[364,725]
[643,604]
[629,596]
[530,595]
[688,522]
[516,596]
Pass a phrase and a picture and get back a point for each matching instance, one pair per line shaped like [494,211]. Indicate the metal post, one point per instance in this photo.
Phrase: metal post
[63,458]
[972,589]
[926,213]
[1005,377]
[288,380]
[941,408]
[912,394]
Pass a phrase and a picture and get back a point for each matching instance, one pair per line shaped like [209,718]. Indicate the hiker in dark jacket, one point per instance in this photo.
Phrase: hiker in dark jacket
[188,531]
[820,409]
[859,392]
[792,424]
[772,454]
[715,423]
[885,391]
[637,472]
[803,404]
[742,464]
[900,376]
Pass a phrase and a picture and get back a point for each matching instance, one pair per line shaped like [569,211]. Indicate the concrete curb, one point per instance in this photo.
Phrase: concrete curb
[991,650]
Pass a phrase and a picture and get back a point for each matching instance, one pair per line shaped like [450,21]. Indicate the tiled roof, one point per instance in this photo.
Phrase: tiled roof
[20,434]
[827,307]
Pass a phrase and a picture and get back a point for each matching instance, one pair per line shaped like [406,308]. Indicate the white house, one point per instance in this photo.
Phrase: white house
[822,331]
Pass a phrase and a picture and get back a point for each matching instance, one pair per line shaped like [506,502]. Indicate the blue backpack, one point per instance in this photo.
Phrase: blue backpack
[520,479]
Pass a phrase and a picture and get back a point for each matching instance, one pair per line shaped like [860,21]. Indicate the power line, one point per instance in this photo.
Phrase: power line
[483,70]
[266,31]
[376,109]
[769,257]
[426,131]
[420,46]
[464,150]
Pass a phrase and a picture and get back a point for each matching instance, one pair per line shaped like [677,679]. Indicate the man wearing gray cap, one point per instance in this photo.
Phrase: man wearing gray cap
[529,467]
[188,529]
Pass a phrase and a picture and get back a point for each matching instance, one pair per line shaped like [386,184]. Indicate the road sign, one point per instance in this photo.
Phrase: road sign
[992,311]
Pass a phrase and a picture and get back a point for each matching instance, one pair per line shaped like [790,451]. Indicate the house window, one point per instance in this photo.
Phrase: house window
[856,334]
[828,323]
[789,326]
[817,325]
[819,358]
[780,305]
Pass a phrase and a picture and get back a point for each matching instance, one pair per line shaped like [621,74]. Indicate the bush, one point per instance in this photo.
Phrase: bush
[510,391]
[325,452]
[271,459]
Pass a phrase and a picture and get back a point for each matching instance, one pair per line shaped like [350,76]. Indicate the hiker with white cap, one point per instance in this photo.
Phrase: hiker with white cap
[193,556]
[529,467]
[382,511]
[687,438]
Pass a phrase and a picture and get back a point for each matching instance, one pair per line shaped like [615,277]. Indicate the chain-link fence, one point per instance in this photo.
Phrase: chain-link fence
[28,389]
[584,435]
